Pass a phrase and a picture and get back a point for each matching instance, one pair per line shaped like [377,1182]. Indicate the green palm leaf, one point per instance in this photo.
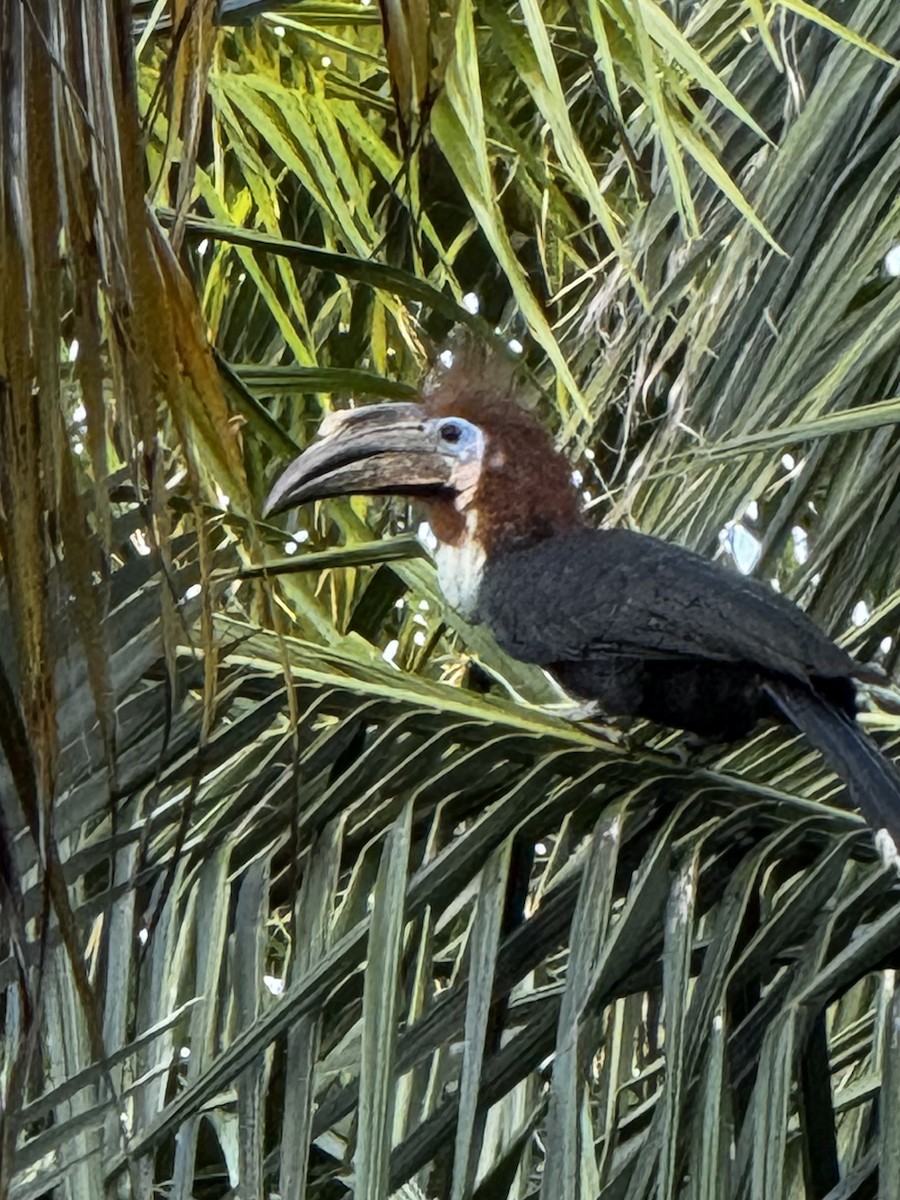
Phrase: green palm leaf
[305,888]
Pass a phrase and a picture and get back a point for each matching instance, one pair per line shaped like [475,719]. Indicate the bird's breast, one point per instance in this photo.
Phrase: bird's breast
[460,570]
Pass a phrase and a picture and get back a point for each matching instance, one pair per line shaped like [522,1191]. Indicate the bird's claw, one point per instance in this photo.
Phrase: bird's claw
[887,851]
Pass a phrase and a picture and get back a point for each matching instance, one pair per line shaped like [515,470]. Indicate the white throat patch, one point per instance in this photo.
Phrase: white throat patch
[459,570]
[460,567]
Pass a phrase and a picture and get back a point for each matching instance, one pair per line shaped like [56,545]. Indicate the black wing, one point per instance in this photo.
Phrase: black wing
[593,594]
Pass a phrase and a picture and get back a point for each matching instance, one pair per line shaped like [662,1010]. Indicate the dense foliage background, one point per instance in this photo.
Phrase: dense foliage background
[304,890]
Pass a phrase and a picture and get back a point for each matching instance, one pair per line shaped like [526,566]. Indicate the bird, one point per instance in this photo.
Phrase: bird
[637,626]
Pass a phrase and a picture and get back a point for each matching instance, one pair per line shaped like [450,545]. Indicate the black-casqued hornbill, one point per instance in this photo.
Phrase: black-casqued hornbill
[640,626]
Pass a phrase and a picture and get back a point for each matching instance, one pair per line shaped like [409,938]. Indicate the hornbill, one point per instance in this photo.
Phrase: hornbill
[642,627]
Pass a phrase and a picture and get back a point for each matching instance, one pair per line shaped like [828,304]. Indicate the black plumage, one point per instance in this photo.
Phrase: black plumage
[649,629]
[642,627]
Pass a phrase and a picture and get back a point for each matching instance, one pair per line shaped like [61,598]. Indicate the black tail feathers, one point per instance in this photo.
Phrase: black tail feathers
[872,780]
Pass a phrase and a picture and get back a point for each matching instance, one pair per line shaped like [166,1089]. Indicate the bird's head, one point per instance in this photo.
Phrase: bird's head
[483,465]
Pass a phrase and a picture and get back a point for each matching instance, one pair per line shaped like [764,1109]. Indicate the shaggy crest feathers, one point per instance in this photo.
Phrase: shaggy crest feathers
[525,491]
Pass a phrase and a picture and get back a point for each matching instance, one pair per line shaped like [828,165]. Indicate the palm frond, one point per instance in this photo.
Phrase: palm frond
[305,890]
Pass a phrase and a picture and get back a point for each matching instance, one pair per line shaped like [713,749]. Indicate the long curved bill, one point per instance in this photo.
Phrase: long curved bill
[381,449]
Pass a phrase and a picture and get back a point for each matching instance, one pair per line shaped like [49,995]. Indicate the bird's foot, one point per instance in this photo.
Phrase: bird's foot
[572,710]
[623,732]
[887,851]
[691,750]
[588,713]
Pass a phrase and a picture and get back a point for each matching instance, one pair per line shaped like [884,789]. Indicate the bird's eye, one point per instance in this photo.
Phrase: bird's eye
[454,437]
